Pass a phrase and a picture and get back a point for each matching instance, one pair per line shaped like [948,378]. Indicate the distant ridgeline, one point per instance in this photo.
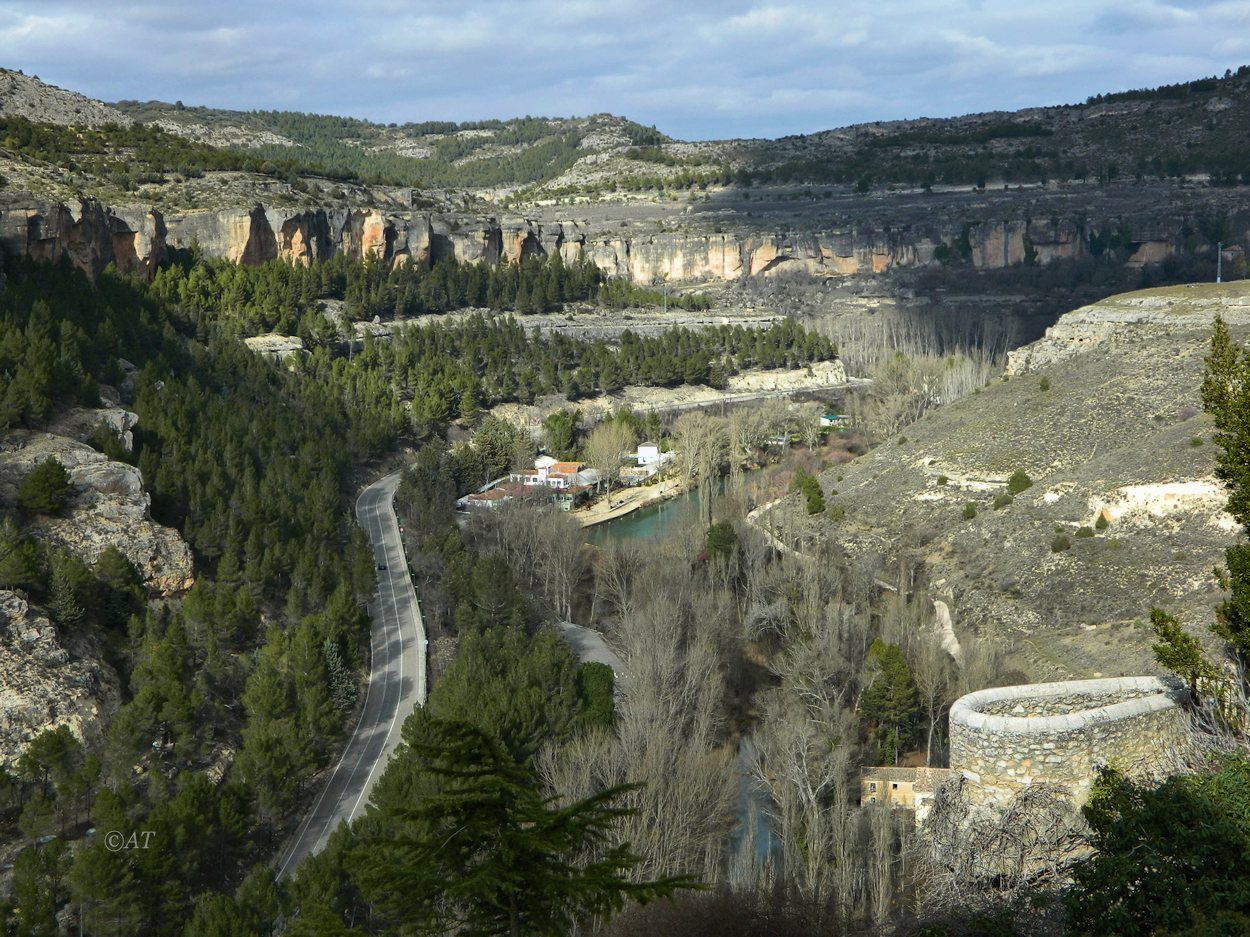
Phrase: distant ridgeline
[1192,127]
[430,154]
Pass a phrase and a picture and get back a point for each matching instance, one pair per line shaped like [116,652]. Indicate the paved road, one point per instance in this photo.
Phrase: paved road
[396,681]
[588,646]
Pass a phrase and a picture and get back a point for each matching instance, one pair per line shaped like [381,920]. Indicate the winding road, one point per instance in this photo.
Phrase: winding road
[397,683]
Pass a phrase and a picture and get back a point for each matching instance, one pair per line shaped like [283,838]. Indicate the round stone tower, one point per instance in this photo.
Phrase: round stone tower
[1006,738]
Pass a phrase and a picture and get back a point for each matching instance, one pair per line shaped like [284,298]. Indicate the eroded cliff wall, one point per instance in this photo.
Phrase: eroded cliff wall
[136,240]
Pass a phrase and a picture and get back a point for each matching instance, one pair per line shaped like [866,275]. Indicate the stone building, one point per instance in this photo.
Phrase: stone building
[907,788]
[1005,738]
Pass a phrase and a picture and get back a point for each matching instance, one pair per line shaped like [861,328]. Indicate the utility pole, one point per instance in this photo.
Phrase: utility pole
[1219,261]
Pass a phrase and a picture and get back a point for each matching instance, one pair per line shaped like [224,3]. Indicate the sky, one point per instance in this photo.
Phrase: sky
[696,69]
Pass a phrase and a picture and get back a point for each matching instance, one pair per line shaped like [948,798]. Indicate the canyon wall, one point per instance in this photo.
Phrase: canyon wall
[137,240]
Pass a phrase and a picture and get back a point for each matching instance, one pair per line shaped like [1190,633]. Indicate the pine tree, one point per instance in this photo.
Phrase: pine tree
[19,557]
[342,686]
[63,602]
[1226,397]
[486,853]
[889,702]
[46,488]
[1180,652]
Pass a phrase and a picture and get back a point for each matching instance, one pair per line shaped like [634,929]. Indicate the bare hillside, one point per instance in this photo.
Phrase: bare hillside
[1104,416]
[26,96]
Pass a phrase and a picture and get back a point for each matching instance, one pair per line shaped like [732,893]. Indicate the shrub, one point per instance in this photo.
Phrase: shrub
[1102,523]
[1196,441]
[1060,543]
[835,511]
[1018,482]
[942,480]
[1085,531]
[1044,384]
[1002,499]
[902,440]
[1114,543]
[970,511]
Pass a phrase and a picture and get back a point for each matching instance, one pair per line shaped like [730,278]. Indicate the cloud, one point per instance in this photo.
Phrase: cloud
[696,69]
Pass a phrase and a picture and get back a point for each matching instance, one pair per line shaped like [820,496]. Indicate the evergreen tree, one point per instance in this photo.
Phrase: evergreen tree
[1169,860]
[37,890]
[19,558]
[890,703]
[342,684]
[63,601]
[1226,397]
[1180,652]
[46,488]
[484,853]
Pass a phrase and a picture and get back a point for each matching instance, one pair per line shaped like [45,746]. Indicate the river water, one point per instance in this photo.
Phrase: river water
[648,523]
[753,829]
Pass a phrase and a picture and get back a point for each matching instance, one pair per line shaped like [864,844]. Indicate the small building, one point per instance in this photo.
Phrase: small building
[646,463]
[490,499]
[648,454]
[904,788]
[838,421]
[568,498]
[549,473]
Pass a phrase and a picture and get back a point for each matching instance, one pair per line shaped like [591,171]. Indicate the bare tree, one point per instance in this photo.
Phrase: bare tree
[606,448]
[933,671]
[562,560]
[809,422]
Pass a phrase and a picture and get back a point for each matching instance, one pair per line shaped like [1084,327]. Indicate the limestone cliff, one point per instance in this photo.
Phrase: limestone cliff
[137,240]
[49,676]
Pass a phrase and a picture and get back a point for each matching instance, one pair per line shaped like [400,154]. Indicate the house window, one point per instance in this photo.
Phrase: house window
[894,787]
[872,786]
[872,800]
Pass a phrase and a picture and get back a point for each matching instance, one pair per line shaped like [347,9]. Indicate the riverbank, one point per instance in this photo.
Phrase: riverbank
[627,500]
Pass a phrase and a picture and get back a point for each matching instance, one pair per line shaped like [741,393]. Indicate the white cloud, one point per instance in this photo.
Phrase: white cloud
[701,68]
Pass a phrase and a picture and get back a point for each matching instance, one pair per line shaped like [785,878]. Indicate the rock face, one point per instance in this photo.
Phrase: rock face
[26,96]
[109,508]
[48,680]
[90,235]
[137,240]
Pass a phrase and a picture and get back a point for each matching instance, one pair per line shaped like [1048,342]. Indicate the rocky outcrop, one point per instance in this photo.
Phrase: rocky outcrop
[1123,318]
[47,680]
[109,508]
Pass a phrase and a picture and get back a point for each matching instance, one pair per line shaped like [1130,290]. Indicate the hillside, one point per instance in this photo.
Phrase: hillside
[1195,128]
[1103,414]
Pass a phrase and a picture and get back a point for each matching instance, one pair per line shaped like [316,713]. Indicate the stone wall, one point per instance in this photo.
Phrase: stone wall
[1006,738]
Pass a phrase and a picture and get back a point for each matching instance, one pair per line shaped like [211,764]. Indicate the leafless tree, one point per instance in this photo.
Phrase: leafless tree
[617,570]
[562,561]
[809,416]
[933,671]
[606,448]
